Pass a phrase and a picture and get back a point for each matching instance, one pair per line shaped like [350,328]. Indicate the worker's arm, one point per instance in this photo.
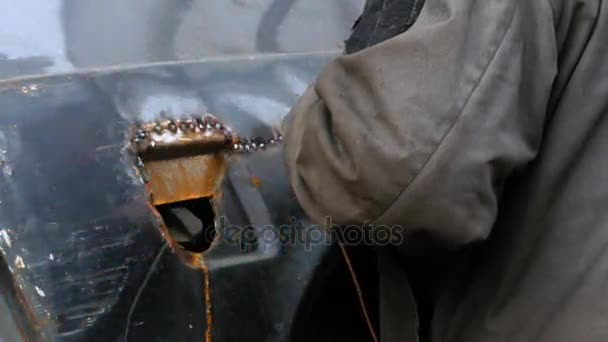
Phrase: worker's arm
[423,129]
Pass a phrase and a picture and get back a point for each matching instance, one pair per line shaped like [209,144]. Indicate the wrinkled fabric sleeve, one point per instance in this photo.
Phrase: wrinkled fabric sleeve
[423,129]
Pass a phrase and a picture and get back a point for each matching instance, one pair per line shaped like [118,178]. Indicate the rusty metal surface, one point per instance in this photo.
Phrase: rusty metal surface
[88,257]
[184,178]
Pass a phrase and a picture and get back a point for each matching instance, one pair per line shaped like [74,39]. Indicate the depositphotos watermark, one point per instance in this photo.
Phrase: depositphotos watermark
[302,233]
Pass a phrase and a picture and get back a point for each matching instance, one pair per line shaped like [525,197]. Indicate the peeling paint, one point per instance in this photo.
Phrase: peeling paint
[255,181]
[208,308]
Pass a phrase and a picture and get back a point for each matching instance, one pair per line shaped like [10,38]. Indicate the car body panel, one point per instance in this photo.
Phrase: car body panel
[84,250]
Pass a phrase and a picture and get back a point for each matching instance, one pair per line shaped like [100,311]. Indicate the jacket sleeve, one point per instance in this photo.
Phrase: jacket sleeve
[423,129]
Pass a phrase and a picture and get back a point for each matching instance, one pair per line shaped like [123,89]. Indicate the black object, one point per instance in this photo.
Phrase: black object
[382,20]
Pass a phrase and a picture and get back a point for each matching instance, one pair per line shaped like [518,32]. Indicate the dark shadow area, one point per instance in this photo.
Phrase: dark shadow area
[191,223]
[330,309]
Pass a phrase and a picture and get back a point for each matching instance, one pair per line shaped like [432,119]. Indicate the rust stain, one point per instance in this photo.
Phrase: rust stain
[29,325]
[194,260]
[207,288]
[185,160]
[256,181]
[185,178]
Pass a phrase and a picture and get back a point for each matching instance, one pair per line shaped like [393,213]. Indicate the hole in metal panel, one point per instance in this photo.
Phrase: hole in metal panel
[190,223]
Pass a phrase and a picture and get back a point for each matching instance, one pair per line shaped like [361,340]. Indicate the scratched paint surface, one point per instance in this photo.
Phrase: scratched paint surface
[81,245]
